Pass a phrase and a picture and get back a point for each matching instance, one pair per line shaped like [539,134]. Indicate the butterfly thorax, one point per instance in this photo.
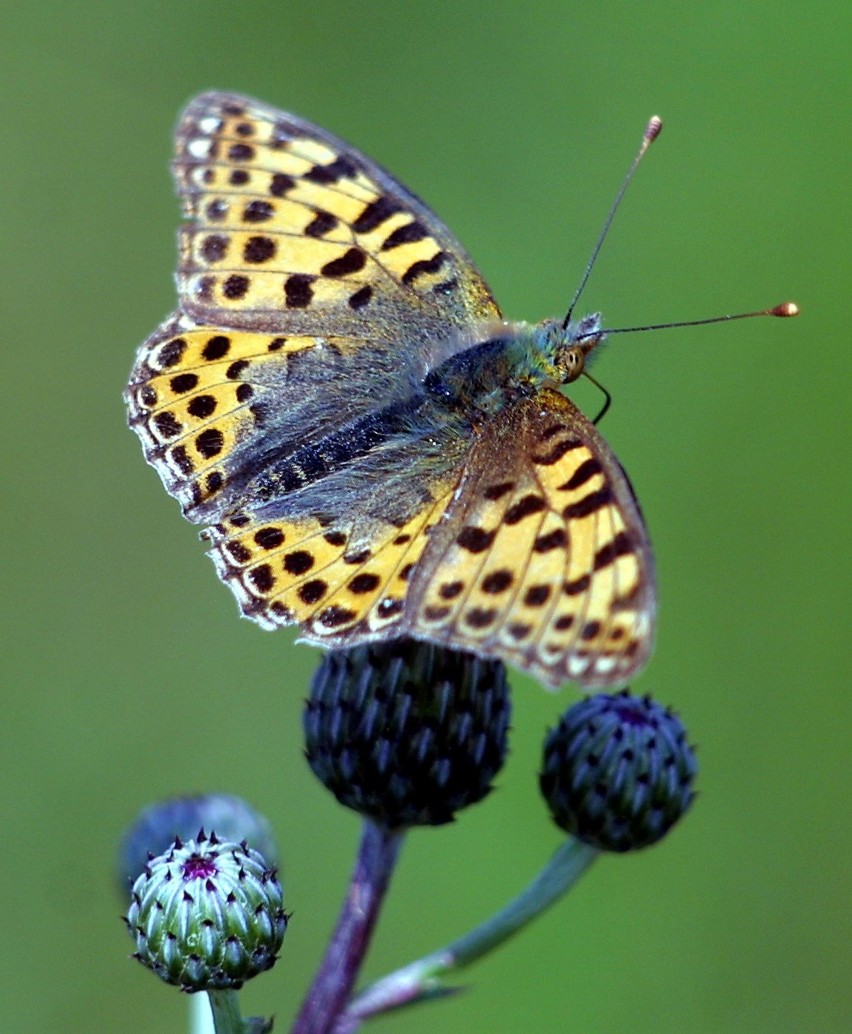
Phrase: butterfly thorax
[481,380]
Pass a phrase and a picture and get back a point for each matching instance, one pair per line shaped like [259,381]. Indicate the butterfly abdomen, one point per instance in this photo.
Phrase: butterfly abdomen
[405,444]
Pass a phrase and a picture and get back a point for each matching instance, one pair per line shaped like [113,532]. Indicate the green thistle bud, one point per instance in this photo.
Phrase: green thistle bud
[207,915]
[158,825]
[617,772]
[407,733]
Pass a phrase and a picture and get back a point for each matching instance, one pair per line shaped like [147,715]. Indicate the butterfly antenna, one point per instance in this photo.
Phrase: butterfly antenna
[785,310]
[652,131]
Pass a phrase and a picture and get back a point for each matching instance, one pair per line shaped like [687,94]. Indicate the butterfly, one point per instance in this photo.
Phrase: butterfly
[374,451]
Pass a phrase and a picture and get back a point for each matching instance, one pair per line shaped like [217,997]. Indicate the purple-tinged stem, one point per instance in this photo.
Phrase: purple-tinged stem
[332,986]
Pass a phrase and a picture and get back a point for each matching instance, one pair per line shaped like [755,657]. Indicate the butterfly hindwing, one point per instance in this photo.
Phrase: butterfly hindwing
[340,582]
[543,558]
[209,402]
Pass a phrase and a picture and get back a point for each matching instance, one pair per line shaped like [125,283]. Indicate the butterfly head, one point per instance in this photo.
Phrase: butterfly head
[568,346]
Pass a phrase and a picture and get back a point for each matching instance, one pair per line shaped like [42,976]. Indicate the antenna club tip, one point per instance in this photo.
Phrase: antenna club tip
[785,309]
[653,129]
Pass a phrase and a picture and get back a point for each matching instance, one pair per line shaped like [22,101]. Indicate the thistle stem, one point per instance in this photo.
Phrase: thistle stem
[423,979]
[200,1015]
[329,993]
[225,1008]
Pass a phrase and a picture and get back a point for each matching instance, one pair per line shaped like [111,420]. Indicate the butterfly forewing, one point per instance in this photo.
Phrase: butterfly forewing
[290,227]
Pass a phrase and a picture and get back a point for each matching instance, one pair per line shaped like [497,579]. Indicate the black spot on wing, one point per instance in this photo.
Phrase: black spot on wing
[235,286]
[585,472]
[589,504]
[167,424]
[497,581]
[408,233]
[537,595]
[352,261]
[241,152]
[210,442]
[524,507]
[375,213]
[474,539]
[449,590]
[334,616]
[313,591]
[280,184]
[216,347]
[170,353]
[201,406]
[424,266]
[361,297]
[239,552]
[577,586]
[556,452]
[259,249]
[298,562]
[183,382]
[364,582]
[608,554]
[497,491]
[556,539]
[321,224]
[214,247]
[262,577]
[298,291]
[269,538]
[258,211]
[341,168]
[480,617]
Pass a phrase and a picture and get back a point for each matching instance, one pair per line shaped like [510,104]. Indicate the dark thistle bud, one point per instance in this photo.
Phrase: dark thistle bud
[157,826]
[207,915]
[407,733]
[617,772]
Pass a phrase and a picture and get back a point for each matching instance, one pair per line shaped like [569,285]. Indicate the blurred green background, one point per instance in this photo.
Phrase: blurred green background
[129,676]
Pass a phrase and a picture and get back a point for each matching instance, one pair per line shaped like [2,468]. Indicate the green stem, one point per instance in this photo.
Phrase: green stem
[200,1015]
[225,1007]
[423,979]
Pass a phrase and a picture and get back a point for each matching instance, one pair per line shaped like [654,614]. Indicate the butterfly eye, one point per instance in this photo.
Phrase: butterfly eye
[570,363]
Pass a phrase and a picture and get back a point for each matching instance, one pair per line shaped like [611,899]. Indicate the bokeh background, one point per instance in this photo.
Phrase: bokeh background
[128,676]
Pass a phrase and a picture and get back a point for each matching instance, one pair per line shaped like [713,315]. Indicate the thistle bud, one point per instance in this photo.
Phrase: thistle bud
[407,733]
[617,771]
[207,915]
